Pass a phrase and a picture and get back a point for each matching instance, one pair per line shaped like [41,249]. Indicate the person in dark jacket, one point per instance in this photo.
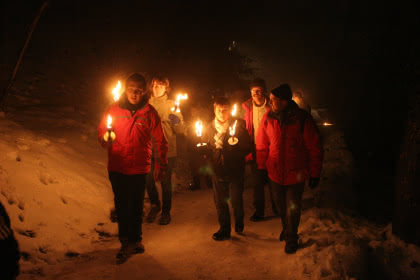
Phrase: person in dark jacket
[254,110]
[128,140]
[289,148]
[9,249]
[227,161]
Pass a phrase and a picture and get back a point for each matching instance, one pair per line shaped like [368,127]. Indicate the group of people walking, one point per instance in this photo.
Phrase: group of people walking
[278,140]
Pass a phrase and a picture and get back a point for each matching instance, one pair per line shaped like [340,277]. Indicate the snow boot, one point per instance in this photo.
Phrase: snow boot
[123,254]
[154,210]
[165,219]
[221,235]
[291,247]
[136,248]
[256,218]
[239,227]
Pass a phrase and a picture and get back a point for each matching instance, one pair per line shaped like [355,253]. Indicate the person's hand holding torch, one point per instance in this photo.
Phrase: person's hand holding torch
[109,135]
[232,131]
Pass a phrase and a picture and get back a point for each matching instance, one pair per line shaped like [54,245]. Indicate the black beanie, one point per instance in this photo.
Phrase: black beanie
[283,92]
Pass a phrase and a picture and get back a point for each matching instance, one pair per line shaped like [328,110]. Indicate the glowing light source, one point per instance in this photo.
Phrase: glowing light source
[327,124]
[199,132]
[178,99]
[234,110]
[109,122]
[232,130]
[116,91]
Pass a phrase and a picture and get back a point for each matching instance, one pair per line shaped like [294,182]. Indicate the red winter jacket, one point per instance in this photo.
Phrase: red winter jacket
[290,153]
[132,150]
[248,117]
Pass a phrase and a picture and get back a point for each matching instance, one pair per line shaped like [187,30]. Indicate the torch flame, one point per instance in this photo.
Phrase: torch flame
[116,91]
[109,122]
[179,97]
[199,128]
[232,129]
[326,124]
[234,110]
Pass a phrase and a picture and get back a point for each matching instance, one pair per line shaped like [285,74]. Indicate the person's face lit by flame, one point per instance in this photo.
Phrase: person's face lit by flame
[158,89]
[257,95]
[277,104]
[222,112]
[136,92]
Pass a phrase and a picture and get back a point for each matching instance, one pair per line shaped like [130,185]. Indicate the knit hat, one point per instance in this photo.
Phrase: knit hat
[283,92]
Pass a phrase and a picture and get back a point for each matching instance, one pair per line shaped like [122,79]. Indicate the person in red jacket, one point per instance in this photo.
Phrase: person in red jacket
[128,140]
[289,148]
[254,109]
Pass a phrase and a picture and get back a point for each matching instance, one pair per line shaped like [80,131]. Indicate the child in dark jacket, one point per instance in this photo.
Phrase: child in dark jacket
[226,155]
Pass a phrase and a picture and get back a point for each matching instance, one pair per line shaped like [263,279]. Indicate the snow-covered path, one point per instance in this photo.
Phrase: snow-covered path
[185,250]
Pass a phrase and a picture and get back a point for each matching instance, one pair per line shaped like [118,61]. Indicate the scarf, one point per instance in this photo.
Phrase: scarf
[221,129]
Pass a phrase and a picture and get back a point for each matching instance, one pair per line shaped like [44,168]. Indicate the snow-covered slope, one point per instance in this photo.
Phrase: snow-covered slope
[54,185]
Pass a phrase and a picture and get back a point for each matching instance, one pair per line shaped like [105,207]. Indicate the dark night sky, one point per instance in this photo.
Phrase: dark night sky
[358,58]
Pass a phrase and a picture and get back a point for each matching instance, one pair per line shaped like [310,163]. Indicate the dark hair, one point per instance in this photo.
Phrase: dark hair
[258,82]
[162,80]
[222,101]
[136,77]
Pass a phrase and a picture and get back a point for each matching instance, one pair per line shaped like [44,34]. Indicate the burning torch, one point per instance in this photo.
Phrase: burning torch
[234,110]
[110,133]
[116,92]
[179,97]
[232,130]
[199,133]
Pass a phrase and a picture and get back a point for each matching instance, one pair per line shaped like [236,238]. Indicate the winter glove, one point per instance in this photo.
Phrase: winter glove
[109,136]
[313,183]
[174,119]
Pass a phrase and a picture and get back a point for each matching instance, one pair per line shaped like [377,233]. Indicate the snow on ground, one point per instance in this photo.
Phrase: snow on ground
[53,183]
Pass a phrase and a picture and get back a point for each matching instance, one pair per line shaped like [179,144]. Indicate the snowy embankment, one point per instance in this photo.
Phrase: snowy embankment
[53,183]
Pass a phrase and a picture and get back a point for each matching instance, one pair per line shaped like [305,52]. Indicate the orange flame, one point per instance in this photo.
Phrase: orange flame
[199,128]
[109,122]
[234,110]
[232,129]
[116,91]
[179,97]
[327,124]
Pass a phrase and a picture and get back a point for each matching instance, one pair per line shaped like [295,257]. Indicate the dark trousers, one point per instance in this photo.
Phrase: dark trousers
[232,191]
[128,198]
[166,187]
[289,202]
[260,179]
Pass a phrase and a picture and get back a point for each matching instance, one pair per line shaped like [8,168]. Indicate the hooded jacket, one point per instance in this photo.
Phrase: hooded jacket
[163,106]
[131,151]
[248,117]
[290,153]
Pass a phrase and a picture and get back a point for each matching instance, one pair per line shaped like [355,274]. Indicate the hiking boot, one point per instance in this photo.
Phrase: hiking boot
[136,248]
[154,210]
[291,247]
[123,254]
[239,227]
[256,218]
[165,219]
[221,235]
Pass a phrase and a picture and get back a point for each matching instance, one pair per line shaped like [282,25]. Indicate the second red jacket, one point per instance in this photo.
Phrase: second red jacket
[290,153]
